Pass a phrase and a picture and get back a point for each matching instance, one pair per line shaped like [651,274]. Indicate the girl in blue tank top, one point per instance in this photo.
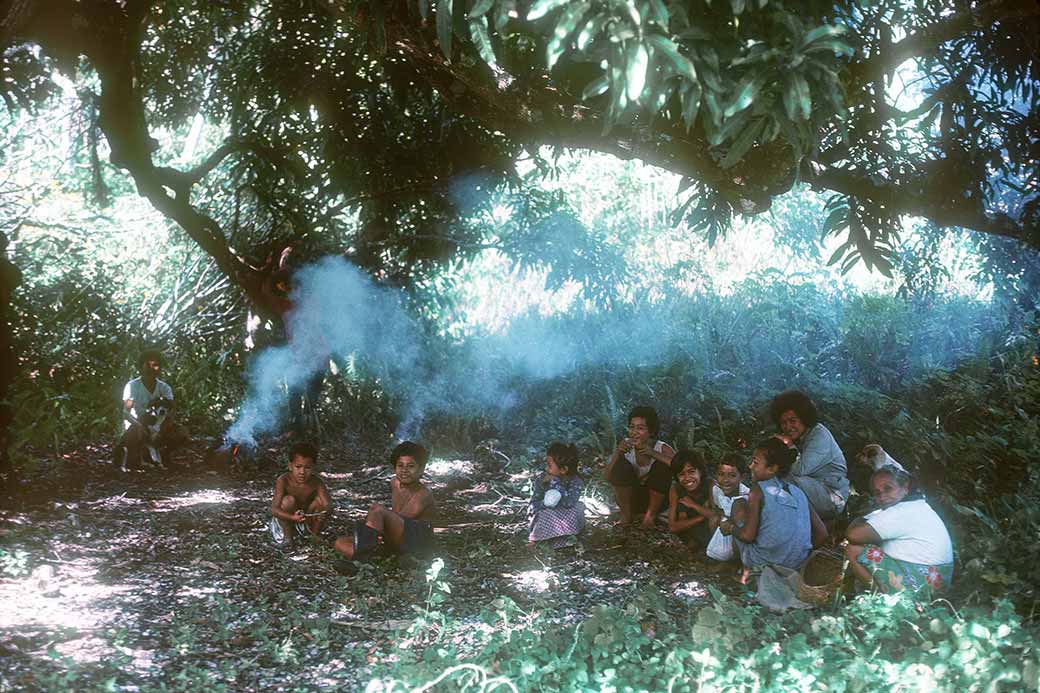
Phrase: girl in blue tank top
[776,525]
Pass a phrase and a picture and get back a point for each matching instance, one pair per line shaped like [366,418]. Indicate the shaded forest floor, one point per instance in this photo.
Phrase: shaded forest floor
[169,577]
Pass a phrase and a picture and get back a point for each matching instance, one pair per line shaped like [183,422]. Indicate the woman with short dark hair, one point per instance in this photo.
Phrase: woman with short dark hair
[821,471]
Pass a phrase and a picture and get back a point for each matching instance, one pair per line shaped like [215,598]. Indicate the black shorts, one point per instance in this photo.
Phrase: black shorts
[659,478]
[418,537]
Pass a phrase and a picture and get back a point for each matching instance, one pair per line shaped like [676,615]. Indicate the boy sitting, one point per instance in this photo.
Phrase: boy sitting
[301,501]
[406,528]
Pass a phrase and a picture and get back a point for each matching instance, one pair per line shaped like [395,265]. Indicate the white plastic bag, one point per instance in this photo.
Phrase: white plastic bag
[552,498]
[720,547]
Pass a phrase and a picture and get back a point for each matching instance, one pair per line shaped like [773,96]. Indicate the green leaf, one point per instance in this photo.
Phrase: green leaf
[480,8]
[635,79]
[660,12]
[797,101]
[444,10]
[668,50]
[742,143]
[478,31]
[824,31]
[691,104]
[595,87]
[568,22]
[502,13]
[838,253]
[730,128]
[746,92]
[590,31]
[543,7]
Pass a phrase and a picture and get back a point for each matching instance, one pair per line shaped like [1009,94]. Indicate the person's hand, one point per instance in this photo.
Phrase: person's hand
[726,526]
[783,439]
[625,445]
[642,448]
[298,517]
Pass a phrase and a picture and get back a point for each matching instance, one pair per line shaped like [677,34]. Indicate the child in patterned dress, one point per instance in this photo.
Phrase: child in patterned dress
[556,513]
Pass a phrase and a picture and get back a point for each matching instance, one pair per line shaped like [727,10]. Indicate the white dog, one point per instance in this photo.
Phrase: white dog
[875,457]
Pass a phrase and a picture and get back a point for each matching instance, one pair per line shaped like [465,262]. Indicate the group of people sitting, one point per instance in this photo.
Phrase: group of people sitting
[771,511]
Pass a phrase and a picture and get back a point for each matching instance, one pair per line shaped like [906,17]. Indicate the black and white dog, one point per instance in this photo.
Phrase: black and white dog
[151,421]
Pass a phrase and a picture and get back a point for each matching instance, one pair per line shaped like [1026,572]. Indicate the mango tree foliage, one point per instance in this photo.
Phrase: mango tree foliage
[386,125]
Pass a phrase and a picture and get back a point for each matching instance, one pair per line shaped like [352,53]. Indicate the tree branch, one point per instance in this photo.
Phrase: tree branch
[927,40]
[914,200]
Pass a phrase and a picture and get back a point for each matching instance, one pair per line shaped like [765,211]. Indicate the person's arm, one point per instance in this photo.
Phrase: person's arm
[570,493]
[749,532]
[128,405]
[664,456]
[325,498]
[538,493]
[276,504]
[395,496]
[619,452]
[817,453]
[677,524]
[859,532]
[819,530]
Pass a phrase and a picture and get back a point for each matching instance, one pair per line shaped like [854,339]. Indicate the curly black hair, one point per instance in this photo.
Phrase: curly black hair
[648,414]
[410,449]
[796,401]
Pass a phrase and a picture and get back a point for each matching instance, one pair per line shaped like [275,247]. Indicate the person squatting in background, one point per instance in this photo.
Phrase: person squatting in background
[776,525]
[640,469]
[142,431]
[556,513]
[903,544]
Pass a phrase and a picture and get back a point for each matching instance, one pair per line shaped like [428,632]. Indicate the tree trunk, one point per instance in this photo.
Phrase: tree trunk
[10,278]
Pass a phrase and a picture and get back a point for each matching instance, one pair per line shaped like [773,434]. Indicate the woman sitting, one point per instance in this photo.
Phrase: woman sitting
[903,544]
[640,469]
[821,471]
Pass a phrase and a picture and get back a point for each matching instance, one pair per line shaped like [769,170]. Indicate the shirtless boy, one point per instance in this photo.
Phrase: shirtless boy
[405,528]
[301,501]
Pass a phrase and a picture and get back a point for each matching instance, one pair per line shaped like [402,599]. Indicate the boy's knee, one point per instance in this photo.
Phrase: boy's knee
[288,503]
[319,505]
[375,509]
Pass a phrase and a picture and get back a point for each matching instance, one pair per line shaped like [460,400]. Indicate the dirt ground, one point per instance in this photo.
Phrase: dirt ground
[168,579]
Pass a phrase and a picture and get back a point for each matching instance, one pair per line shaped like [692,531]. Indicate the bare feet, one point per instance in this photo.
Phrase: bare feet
[744,576]
[648,522]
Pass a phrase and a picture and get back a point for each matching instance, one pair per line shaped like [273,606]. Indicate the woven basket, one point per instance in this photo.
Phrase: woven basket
[820,577]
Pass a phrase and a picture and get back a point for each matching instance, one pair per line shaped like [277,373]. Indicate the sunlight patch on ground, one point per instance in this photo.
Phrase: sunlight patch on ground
[63,599]
[692,590]
[186,500]
[111,501]
[440,467]
[536,581]
[188,591]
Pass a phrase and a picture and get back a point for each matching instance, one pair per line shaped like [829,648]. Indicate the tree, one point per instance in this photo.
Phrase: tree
[382,128]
